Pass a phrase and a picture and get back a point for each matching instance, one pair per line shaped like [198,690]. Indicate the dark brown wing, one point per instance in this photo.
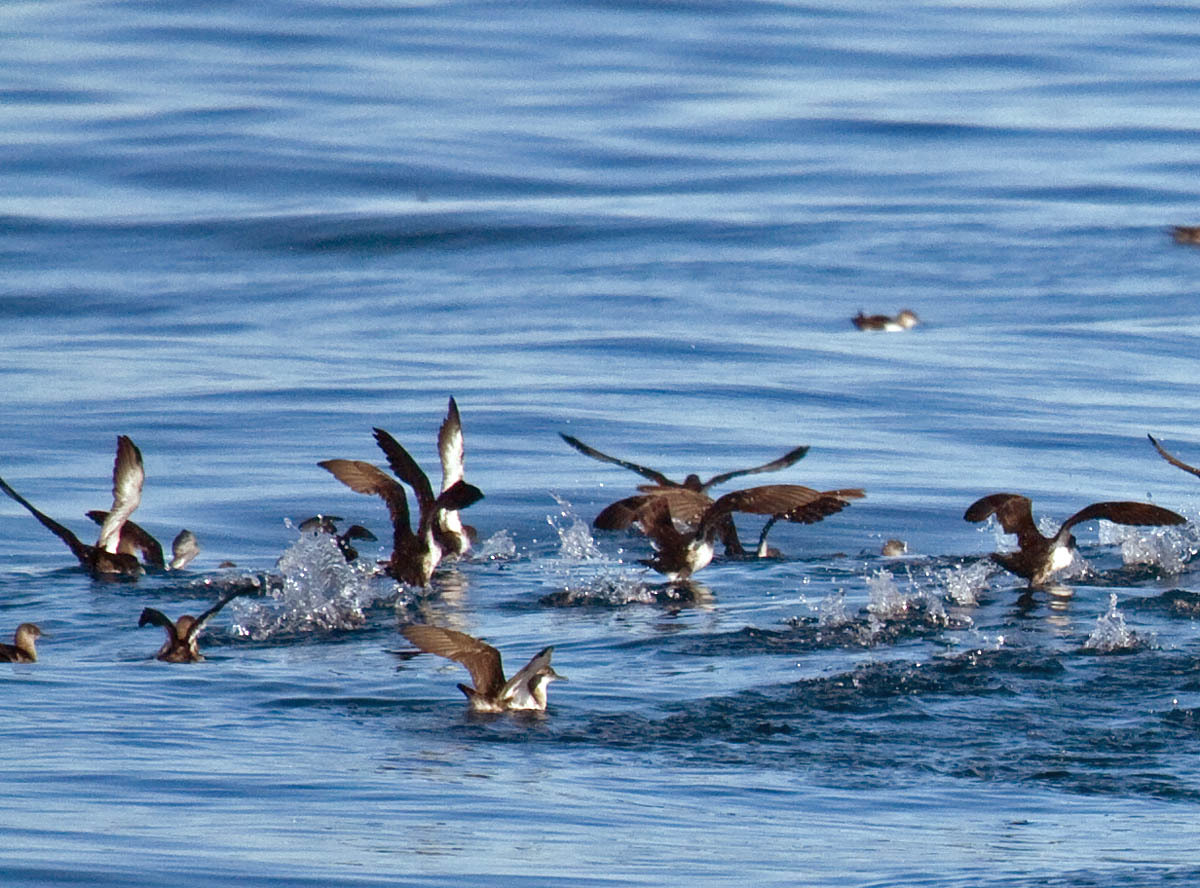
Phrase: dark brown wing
[792,456]
[152,617]
[134,538]
[654,517]
[621,514]
[1012,510]
[363,477]
[657,477]
[201,620]
[687,504]
[406,469]
[1125,513]
[481,659]
[806,504]
[1179,464]
[81,550]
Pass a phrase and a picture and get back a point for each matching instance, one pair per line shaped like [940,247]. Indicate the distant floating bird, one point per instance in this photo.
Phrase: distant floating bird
[414,555]
[454,537]
[680,554]
[1039,557]
[894,548]
[686,499]
[326,524]
[1179,464]
[183,634]
[23,649]
[906,320]
[524,691]
[105,559]
[134,540]
[1186,234]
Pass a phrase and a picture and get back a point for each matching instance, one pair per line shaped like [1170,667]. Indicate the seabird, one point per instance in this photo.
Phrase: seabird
[23,649]
[414,555]
[454,537]
[1178,463]
[326,524]
[687,499]
[681,554]
[1186,234]
[524,691]
[906,320]
[105,559]
[182,634]
[134,540]
[1039,558]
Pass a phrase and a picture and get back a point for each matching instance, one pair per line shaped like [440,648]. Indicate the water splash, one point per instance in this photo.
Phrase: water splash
[887,603]
[1111,635]
[1165,548]
[316,590]
[500,546]
[574,537]
[964,583]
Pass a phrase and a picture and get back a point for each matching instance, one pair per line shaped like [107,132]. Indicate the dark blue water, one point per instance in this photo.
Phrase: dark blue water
[246,235]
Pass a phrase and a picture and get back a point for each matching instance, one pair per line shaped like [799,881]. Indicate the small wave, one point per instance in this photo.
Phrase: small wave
[1167,549]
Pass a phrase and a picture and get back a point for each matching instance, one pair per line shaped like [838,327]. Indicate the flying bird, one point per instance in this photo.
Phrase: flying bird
[106,558]
[686,499]
[183,634]
[680,554]
[1038,557]
[526,690]
[23,649]
[415,555]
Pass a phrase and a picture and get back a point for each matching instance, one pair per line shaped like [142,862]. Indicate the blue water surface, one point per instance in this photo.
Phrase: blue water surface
[246,234]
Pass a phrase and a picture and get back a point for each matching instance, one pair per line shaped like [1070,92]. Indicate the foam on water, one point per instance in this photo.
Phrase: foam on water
[1111,635]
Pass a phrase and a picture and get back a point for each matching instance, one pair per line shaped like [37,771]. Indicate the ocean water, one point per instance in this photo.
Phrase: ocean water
[246,234]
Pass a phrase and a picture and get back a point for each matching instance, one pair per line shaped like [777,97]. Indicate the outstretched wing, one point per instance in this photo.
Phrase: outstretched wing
[450,447]
[792,501]
[152,617]
[406,469]
[362,477]
[792,456]
[540,661]
[1178,463]
[201,620]
[133,539]
[1012,510]
[657,477]
[481,659]
[79,549]
[128,477]
[1125,513]
[686,506]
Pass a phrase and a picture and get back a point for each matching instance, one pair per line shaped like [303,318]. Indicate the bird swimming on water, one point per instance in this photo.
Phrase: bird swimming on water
[184,633]
[106,559]
[415,555]
[134,539]
[23,649]
[686,499]
[526,690]
[681,554]
[905,320]
[1038,557]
